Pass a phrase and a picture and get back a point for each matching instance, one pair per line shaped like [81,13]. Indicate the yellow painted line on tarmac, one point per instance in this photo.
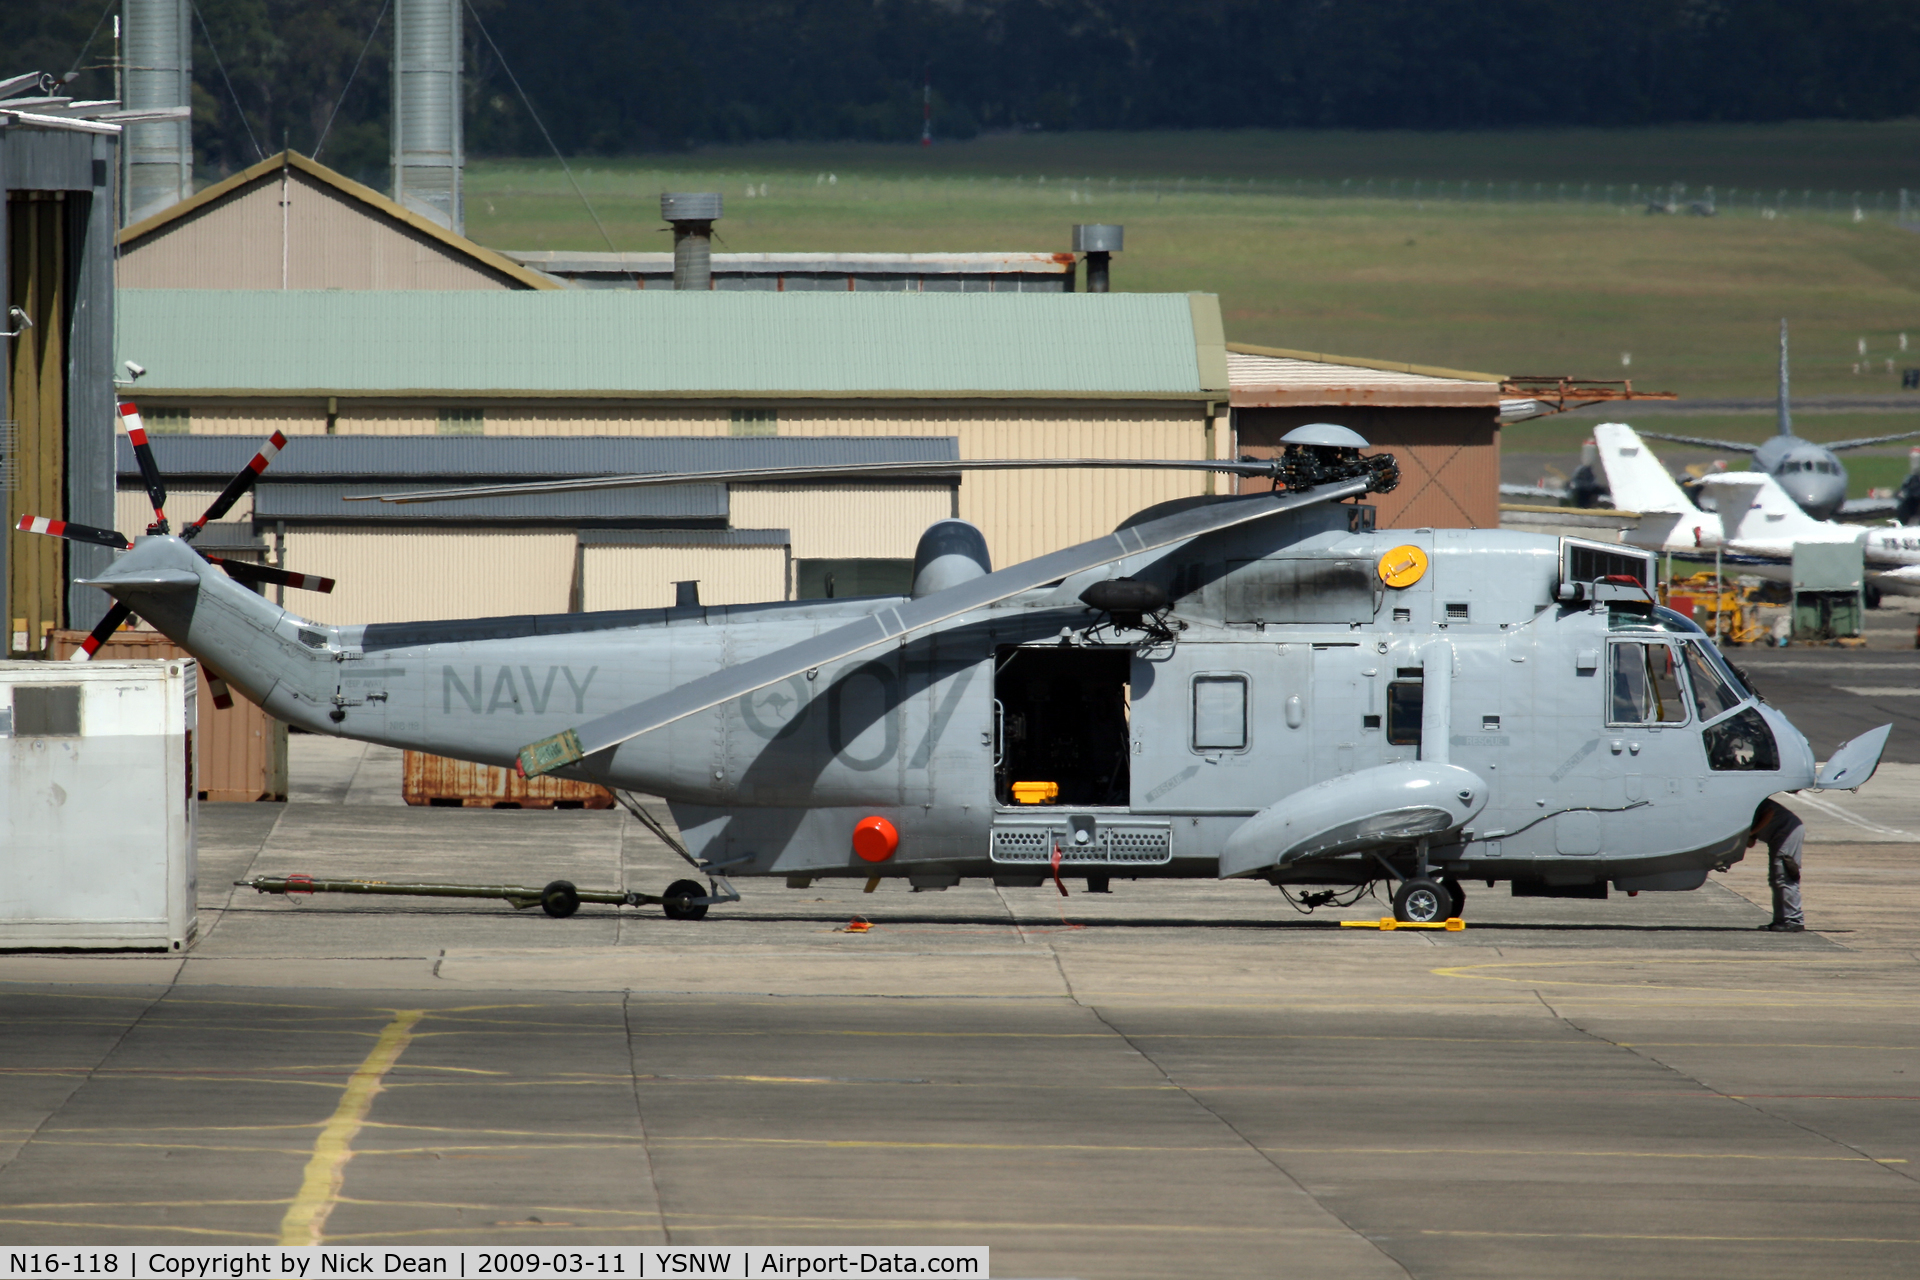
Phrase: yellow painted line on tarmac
[223,1148]
[1650,985]
[47,1206]
[1464,1152]
[319,1190]
[135,1226]
[1673,1238]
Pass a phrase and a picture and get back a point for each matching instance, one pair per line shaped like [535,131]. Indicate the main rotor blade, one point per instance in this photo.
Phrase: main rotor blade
[76,532]
[248,572]
[149,469]
[118,614]
[1731,446]
[848,471]
[895,621]
[237,488]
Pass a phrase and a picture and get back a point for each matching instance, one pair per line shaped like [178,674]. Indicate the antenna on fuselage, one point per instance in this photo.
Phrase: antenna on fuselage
[1786,414]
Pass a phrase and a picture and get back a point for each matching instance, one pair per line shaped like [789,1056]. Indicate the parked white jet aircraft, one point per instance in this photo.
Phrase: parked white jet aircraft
[1755,524]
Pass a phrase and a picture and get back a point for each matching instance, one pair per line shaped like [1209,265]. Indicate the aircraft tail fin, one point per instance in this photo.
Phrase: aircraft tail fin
[1785,413]
[277,659]
[1754,508]
[1638,481]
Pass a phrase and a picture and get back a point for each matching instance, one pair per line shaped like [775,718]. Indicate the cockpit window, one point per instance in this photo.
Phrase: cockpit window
[1646,685]
[1711,692]
[1741,743]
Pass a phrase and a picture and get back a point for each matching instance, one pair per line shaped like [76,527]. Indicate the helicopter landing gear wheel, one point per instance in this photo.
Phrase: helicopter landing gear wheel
[1458,893]
[560,899]
[679,910]
[1421,902]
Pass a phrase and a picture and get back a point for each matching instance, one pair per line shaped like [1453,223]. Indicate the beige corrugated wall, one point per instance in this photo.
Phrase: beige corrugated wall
[1023,514]
[643,577]
[845,522]
[246,418]
[412,575]
[330,240]
[132,512]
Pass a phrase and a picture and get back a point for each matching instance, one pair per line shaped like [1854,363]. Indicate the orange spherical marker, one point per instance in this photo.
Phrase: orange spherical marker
[875,839]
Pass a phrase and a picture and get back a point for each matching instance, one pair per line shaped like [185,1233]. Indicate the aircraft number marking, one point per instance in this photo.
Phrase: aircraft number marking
[890,698]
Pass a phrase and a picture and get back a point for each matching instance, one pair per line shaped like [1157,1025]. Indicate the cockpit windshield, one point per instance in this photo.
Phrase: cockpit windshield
[1711,690]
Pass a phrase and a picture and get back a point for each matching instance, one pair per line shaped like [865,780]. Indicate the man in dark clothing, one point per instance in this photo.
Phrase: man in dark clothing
[1781,830]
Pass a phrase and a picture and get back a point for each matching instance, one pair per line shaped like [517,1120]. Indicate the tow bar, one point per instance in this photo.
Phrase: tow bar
[683,900]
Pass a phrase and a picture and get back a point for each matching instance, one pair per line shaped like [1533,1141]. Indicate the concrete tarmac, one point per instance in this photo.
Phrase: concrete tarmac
[1185,1080]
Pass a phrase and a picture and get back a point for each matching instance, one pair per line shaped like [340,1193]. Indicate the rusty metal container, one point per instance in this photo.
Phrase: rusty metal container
[431,779]
[243,750]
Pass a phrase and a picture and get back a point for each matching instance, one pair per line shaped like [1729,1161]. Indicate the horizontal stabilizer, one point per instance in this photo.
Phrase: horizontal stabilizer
[145,580]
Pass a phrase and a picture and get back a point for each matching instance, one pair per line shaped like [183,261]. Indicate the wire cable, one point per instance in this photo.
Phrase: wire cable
[540,125]
[99,22]
[380,17]
[238,109]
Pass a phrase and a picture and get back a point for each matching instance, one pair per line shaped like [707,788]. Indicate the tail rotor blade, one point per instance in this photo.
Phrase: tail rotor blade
[118,614]
[250,573]
[75,532]
[149,469]
[239,486]
[217,687]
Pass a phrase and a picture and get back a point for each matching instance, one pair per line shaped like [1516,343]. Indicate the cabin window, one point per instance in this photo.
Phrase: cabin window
[461,422]
[1405,703]
[753,422]
[1220,713]
[1646,685]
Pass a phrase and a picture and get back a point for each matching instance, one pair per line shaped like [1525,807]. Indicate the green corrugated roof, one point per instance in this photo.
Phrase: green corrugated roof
[662,343]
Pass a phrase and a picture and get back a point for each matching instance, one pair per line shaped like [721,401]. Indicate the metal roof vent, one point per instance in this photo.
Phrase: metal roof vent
[427,146]
[159,73]
[1099,241]
[692,214]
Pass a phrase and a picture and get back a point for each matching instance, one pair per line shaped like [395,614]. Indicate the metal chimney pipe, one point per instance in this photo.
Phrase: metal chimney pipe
[428,148]
[1099,241]
[157,48]
[692,215]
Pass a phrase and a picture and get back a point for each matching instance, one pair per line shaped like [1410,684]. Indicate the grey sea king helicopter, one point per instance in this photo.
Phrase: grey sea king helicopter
[1257,686]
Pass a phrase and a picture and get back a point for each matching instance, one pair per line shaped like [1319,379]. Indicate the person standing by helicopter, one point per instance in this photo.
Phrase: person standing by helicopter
[1781,830]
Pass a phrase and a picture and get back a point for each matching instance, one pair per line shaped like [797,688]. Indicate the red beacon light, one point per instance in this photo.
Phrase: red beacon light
[875,839]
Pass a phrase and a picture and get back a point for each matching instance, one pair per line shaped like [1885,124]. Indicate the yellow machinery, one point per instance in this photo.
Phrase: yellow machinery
[1725,611]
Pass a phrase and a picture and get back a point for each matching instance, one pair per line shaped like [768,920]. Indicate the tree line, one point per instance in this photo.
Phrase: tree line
[623,76]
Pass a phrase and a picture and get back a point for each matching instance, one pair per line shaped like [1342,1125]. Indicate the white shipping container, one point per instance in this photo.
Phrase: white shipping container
[98,805]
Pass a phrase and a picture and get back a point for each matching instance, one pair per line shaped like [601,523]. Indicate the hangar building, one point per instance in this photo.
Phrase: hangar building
[1040,375]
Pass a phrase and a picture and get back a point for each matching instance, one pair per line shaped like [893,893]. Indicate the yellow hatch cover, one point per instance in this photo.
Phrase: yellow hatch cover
[1403,566]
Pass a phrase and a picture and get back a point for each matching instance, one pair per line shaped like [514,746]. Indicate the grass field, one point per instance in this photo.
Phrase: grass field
[1316,241]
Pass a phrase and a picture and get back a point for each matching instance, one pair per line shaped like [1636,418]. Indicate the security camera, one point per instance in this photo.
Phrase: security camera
[20,321]
[137,370]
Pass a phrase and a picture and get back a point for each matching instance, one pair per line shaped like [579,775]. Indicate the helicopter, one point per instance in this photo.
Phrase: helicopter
[1258,686]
